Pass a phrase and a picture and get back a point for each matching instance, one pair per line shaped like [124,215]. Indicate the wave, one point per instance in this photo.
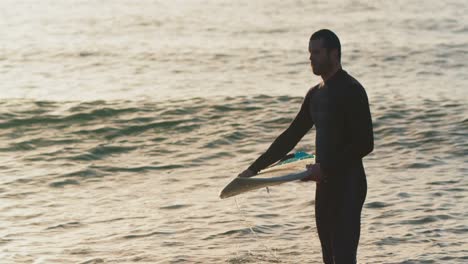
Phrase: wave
[141,136]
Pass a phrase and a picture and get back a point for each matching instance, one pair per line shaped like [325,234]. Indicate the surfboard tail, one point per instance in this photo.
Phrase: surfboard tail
[242,185]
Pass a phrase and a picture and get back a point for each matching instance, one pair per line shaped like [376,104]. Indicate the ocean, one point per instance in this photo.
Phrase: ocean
[120,122]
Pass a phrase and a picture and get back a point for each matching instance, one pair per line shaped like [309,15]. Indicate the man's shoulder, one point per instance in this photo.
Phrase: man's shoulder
[352,86]
[351,81]
[309,94]
[312,90]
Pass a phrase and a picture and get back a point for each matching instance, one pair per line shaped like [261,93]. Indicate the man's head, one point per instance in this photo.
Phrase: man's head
[325,52]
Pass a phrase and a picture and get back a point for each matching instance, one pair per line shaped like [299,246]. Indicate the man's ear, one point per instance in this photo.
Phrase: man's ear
[334,54]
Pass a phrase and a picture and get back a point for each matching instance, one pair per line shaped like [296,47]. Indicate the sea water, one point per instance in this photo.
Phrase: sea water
[120,122]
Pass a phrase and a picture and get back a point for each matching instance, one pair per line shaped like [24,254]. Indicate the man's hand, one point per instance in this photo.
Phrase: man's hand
[315,174]
[246,174]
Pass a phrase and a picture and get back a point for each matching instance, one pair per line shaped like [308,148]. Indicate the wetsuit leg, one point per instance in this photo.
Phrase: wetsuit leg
[348,225]
[323,218]
[338,209]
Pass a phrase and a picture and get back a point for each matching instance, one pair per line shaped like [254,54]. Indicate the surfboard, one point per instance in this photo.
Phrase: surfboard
[291,169]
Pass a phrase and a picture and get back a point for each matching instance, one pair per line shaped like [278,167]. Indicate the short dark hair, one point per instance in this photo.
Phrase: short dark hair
[330,40]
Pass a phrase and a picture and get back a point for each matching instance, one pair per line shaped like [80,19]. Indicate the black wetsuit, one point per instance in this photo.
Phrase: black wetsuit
[340,111]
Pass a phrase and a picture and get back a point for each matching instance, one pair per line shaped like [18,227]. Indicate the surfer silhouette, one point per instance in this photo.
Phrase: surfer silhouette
[338,108]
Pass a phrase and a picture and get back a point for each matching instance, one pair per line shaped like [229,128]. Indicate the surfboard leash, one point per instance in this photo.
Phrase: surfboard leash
[257,237]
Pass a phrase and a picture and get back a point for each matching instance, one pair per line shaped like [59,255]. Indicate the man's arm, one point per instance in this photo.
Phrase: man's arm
[285,142]
[359,122]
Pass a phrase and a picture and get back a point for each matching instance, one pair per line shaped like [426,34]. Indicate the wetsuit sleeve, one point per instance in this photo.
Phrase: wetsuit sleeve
[285,142]
[358,123]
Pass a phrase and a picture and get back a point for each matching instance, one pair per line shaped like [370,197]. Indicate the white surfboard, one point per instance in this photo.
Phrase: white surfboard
[275,175]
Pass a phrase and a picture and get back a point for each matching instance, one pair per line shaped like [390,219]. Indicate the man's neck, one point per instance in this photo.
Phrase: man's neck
[329,74]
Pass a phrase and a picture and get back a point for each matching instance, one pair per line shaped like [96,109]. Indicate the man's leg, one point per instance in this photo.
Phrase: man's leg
[323,221]
[348,226]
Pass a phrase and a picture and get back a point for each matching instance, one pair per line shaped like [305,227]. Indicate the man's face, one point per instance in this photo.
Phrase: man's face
[319,57]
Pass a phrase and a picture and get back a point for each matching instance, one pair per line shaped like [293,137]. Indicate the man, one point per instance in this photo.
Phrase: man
[339,109]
